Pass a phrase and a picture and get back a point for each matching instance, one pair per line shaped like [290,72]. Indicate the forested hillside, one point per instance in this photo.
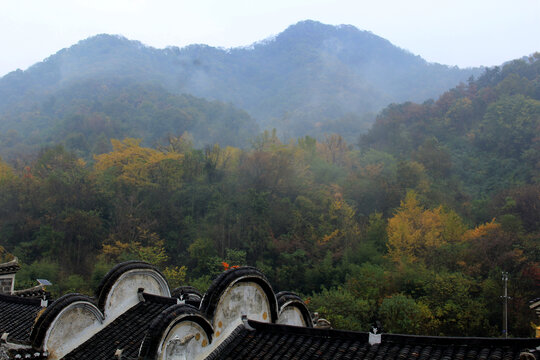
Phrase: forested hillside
[84,117]
[413,229]
[310,79]
[479,139]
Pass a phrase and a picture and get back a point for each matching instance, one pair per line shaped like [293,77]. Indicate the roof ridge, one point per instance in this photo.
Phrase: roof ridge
[397,338]
[159,299]
[282,341]
[10,267]
[12,262]
[20,300]
[274,327]
[459,340]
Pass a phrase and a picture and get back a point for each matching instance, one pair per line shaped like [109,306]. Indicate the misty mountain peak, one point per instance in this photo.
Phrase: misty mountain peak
[310,72]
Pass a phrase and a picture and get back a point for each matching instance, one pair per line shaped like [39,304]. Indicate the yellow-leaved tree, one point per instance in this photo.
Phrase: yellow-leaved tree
[6,172]
[132,164]
[149,248]
[414,232]
[341,230]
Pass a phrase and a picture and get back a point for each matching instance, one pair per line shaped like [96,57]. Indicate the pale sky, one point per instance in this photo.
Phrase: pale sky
[452,32]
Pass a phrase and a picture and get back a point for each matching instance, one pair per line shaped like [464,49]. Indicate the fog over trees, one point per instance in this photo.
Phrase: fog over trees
[310,79]
[376,185]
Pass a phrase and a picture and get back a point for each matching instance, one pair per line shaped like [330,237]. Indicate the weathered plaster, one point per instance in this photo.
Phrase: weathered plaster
[185,341]
[123,294]
[79,321]
[242,298]
[291,315]
[75,324]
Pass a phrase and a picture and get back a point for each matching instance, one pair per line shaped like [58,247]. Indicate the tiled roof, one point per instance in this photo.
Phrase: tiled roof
[188,294]
[10,267]
[17,316]
[535,305]
[126,332]
[35,292]
[25,354]
[272,341]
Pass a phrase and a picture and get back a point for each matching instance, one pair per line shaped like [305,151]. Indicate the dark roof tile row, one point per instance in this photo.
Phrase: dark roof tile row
[18,315]
[10,267]
[126,332]
[272,341]
[36,292]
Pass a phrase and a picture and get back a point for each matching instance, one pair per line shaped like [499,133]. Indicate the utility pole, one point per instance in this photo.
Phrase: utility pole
[505,308]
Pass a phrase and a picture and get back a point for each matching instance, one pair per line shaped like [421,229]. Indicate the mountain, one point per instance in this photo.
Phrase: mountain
[85,115]
[483,137]
[308,79]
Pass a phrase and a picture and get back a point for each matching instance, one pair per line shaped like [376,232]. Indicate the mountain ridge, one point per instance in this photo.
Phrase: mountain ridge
[309,74]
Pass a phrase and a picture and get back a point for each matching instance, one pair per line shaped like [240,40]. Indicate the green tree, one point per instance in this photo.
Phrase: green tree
[343,309]
[402,315]
[509,126]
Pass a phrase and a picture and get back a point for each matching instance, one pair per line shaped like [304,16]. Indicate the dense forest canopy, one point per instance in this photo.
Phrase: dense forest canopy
[84,116]
[411,227]
[310,79]
[485,133]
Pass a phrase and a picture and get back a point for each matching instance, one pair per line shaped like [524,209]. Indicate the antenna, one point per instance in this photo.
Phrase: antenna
[505,307]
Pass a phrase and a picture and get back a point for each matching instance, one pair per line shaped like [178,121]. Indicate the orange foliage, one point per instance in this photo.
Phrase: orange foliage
[226,266]
[481,231]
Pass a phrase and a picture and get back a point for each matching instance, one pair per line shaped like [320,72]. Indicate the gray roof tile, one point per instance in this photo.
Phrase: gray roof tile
[272,341]
[126,332]
[17,316]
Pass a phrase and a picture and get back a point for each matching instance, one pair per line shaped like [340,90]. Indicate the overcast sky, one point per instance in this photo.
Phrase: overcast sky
[453,32]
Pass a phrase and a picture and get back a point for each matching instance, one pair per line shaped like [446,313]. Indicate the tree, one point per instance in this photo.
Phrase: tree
[456,305]
[343,309]
[4,255]
[402,315]
[204,255]
[490,248]
[341,231]
[414,232]
[334,150]
[509,126]
[435,158]
[6,172]
[129,164]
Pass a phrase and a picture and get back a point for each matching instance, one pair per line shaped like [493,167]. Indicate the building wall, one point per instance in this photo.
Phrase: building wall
[6,283]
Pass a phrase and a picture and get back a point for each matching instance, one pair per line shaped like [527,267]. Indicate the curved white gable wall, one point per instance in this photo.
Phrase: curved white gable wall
[81,320]
[76,323]
[124,293]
